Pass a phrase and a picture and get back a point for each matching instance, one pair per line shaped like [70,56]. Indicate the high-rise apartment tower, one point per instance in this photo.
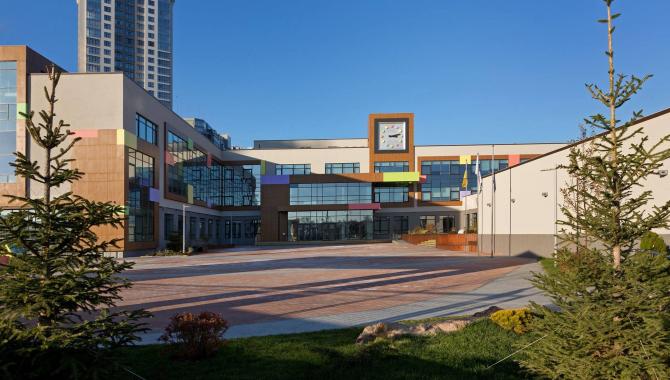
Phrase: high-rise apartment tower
[132,36]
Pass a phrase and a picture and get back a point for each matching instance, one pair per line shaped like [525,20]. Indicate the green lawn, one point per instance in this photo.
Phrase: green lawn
[332,354]
[549,265]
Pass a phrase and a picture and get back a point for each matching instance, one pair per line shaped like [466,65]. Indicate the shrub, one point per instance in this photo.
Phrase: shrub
[418,230]
[195,336]
[654,243]
[169,252]
[516,320]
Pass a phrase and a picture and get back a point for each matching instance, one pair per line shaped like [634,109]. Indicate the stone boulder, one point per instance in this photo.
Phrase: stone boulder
[392,330]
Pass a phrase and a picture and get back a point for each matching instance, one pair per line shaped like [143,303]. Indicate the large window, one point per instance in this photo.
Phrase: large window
[241,185]
[140,208]
[191,227]
[169,226]
[444,179]
[471,222]
[140,168]
[191,166]
[330,193]
[390,227]
[388,194]
[292,169]
[343,168]
[427,222]
[391,166]
[197,174]
[7,119]
[330,225]
[146,130]
[178,149]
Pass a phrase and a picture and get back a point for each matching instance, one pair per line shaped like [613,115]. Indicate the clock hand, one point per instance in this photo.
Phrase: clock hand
[396,135]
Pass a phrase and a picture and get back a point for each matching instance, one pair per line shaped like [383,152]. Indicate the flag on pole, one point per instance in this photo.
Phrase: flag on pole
[464,184]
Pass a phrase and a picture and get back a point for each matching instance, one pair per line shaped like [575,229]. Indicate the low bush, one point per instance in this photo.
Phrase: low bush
[169,252]
[418,230]
[516,320]
[195,336]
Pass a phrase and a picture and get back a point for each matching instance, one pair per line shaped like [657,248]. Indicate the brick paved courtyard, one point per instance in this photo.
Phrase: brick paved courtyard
[251,286]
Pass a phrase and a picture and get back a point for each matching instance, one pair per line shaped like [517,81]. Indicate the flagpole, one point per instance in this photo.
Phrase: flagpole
[467,226]
[467,246]
[479,208]
[493,200]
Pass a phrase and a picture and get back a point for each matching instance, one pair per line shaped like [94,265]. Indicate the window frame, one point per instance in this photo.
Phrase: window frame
[142,125]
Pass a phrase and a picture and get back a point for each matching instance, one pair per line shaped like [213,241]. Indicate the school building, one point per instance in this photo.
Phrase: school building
[178,176]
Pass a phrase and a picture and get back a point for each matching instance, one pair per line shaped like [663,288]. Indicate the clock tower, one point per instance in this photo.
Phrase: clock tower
[391,138]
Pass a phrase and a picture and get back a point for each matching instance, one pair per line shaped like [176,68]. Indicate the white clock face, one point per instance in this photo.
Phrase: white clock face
[392,135]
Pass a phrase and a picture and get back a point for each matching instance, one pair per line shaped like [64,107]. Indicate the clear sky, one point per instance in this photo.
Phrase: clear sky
[476,71]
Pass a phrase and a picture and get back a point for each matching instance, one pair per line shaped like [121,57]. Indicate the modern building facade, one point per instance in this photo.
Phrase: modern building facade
[130,36]
[17,63]
[517,209]
[176,179]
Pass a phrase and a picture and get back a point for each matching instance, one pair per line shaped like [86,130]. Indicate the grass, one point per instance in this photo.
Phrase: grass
[549,265]
[332,354]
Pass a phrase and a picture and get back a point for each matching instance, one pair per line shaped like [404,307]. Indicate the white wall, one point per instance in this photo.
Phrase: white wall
[535,214]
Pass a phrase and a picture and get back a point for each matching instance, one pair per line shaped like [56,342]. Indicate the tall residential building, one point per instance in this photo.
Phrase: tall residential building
[131,36]
[221,140]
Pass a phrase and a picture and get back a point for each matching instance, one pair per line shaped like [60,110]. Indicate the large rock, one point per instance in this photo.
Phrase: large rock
[393,330]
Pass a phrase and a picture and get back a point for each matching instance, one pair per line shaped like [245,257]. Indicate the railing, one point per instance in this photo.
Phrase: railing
[450,242]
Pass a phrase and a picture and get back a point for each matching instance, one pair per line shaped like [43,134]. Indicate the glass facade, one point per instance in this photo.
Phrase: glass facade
[146,129]
[191,166]
[390,227]
[178,149]
[330,193]
[241,185]
[292,169]
[140,208]
[388,194]
[391,166]
[343,167]
[7,119]
[169,226]
[438,224]
[330,225]
[444,178]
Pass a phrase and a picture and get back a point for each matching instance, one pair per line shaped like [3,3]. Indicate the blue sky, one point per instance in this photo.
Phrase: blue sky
[476,71]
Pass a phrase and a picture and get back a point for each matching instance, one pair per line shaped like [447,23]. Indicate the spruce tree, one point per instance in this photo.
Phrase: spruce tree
[613,296]
[58,287]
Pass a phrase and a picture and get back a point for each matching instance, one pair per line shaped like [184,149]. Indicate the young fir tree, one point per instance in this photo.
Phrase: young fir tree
[58,288]
[614,297]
